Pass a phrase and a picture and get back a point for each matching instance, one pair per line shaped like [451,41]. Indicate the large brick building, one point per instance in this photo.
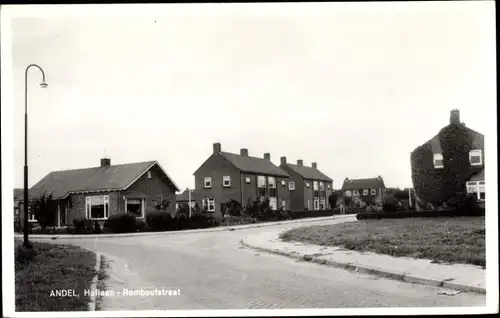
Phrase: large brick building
[99,192]
[227,176]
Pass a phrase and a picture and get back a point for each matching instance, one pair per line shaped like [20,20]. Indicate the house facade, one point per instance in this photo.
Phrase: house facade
[369,190]
[309,188]
[473,168]
[226,177]
[100,192]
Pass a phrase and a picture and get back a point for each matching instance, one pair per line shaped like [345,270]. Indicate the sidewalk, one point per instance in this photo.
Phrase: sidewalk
[462,277]
[216,229]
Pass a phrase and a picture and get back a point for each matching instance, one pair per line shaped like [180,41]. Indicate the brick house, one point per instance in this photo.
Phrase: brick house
[309,187]
[99,192]
[368,190]
[475,166]
[227,176]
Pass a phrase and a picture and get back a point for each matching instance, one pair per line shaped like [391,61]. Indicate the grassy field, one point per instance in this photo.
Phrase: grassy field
[52,267]
[451,240]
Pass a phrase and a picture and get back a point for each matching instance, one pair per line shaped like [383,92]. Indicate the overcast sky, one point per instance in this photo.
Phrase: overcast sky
[353,89]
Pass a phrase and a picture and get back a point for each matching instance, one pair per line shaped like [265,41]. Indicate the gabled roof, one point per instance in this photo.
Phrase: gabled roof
[254,165]
[115,177]
[184,196]
[309,172]
[351,184]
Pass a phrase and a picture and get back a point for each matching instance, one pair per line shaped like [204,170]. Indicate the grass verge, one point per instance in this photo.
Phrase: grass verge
[450,240]
[51,268]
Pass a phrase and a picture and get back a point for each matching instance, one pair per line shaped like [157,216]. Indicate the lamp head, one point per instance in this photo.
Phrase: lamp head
[43,85]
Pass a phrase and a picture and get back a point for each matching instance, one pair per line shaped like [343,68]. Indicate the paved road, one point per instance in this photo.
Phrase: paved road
[213,271]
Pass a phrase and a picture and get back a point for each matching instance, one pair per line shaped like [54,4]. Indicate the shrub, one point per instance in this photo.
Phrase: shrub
[121,223]
[310,213]
[199,221]
[413,214]
[79,224]
[97,228]
[390,204]
[140,225]
[160,221]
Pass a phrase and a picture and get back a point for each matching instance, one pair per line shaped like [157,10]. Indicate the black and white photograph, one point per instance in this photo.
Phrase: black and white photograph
[249,159]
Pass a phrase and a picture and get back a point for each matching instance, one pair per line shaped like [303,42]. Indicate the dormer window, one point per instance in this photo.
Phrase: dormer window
[438,160]
[476,157]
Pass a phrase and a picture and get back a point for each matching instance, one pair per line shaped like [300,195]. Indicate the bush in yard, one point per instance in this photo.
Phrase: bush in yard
[160,221]
[140,225]
[390,204]
[121,223]
[23,254]
[79,224]
[97,228]
[45,209]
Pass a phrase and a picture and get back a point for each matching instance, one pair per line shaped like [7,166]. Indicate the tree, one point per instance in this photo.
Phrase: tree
[332,199]
[44,208]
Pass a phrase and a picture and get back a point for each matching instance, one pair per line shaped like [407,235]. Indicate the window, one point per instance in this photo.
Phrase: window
[135,207]
[438,160]
[208,182]
[208,204]
[192,204]
[226,181]
[283,204]
[97,207]
[149,174]
[248,180]
[272,187]
[321,186]
[291,185]
[475,157]
[348,193]
[328,186]
[365,191]
[478,188]
[373,191]
[177,206]
[308,184]
[322,203]
[273,204]
[283,182]
[261,186]
[31,216]
[316,203]
[355,192]
[315,186]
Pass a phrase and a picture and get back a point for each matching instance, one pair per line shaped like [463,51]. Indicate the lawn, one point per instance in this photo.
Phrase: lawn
[53,267]
[450,240]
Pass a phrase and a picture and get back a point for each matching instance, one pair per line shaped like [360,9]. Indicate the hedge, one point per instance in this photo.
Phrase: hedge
[310,213]
[121,223]
[427,214]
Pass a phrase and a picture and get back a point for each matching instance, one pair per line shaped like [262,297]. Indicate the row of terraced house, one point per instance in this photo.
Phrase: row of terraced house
[137,188]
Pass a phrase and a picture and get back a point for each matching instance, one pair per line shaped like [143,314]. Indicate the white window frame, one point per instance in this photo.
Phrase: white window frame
[88,207]
[315,186]
[321,186]
[291,185]
[209,181]
[322,203]
[143,206]
[226,181]
[31,216]
[348,193]
[476,187]
[283,182]
[355,192]
[316,203]
[149,174]
[373,191]
[248,179]
[476,153]
[438,156]
[206,204]
[365,191]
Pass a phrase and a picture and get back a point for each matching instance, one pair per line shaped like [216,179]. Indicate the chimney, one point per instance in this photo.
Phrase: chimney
[267,156]
[454,116]
[244,152]
[283,160]
[300,162]
[105,162]
[217,148]
[315,165]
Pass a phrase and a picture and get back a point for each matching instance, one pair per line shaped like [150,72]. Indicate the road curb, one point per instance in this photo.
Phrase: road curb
[359,268]
[93,285]
[218,229]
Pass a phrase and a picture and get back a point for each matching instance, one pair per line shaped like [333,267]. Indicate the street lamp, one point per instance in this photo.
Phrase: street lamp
[43,84]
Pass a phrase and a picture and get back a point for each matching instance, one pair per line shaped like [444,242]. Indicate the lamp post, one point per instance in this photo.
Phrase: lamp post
[189,194]
[43,84]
